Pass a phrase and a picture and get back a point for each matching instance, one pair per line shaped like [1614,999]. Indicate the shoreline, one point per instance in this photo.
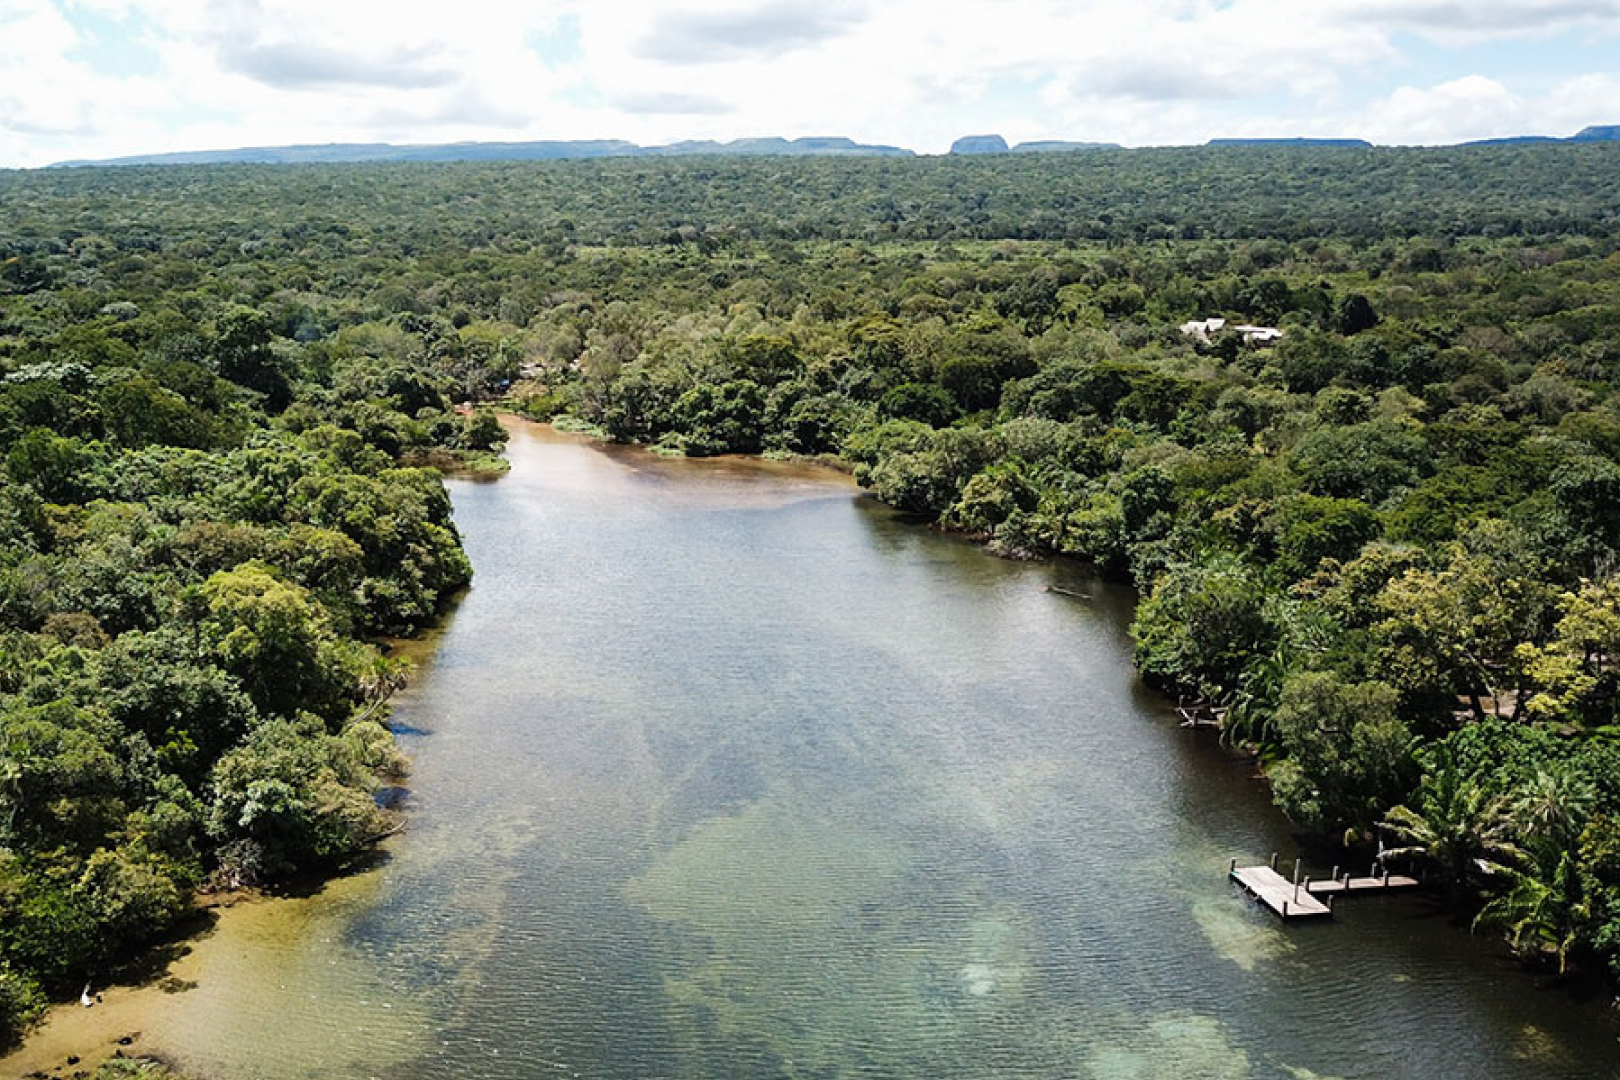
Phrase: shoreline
[198,976]
[145,1010]
[156,982]
[1578,984]
[133,1017]
[92,1036]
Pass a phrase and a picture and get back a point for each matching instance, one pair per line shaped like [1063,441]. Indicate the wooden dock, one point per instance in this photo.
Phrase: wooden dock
[1303,898]
[1380,883]
[1287,899]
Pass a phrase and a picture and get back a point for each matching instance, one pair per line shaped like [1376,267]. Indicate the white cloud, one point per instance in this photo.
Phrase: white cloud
[694,35]
[47,97]
[1473,107]
[1466,21]
[1477,107]
[913,72]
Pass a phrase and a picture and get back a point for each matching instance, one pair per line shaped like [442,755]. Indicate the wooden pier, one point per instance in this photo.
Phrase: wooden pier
[1303,898]
[1287,899]
[1379,883]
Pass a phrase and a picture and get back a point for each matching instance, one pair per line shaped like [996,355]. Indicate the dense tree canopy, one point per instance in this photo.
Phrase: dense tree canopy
[1386,549]
[204,521]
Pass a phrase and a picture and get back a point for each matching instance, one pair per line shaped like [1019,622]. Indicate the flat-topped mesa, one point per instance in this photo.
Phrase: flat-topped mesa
[979,144]
[1298,141]
[1597,133]
[1061,146]
[535,150]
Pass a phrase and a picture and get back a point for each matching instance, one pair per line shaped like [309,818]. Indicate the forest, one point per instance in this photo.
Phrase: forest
[1384,552]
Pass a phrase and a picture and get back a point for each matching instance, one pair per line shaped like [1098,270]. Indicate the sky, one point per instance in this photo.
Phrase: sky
[101,78]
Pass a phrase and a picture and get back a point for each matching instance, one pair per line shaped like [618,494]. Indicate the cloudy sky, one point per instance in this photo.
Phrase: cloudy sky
[97,78]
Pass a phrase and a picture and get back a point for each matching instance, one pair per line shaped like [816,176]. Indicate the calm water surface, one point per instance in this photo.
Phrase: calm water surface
[722,770]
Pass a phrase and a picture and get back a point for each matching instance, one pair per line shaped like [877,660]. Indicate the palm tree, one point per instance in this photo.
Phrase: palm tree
[384,677]
[1542,913]
[1248,720]
[1456,824]
[1546,906]
[1554,806]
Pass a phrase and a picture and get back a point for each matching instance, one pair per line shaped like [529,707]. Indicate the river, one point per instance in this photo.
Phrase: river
[724,770]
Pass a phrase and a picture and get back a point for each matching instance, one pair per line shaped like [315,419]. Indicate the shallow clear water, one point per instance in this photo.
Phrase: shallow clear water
[723,770]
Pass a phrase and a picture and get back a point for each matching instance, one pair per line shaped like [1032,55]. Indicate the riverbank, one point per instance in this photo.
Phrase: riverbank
[195,977]
[721,766]
[1339,796]
[228,934]
[211,978]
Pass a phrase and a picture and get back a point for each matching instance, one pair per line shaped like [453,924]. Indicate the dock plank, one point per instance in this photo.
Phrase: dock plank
[1278,893]
[1363,884]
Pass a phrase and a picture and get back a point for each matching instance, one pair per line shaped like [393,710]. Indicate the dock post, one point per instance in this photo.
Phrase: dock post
[1335,873]
[1285,909]
[1274,860]
[1231,867]
[1296,874]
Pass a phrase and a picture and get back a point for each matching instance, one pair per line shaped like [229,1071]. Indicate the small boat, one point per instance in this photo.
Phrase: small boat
[1060,590]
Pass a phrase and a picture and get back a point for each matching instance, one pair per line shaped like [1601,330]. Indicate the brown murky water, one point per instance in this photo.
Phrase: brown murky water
[723,770]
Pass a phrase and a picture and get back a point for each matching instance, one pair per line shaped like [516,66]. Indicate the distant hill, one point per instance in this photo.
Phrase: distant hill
[330,152]
[1358,144]
[1058,146]
[1515,140]
[995,144]
[818,144]
[979,144]
[1603,133]
[548,150]
[830,145]
[1597,133]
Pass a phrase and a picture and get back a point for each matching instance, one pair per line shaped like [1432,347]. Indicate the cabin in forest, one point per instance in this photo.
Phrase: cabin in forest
[1255,336]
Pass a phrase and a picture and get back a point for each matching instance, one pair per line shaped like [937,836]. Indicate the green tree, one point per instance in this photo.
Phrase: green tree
[722,419]
[243,353]
[293,795]
[923,402]
[278,643]
[1354,314]
[1455,822]
[1201,625]
[58,468]
[1348,752]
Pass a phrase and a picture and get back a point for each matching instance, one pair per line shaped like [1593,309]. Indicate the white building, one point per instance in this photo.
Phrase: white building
[1255,336]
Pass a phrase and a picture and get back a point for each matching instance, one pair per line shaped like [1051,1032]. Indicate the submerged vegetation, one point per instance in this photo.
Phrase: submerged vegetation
[1384,550]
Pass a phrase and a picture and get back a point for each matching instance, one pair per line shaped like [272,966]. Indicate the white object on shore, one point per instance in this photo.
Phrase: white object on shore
[84,996]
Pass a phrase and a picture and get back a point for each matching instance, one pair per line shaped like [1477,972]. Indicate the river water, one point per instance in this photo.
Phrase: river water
[724,770]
